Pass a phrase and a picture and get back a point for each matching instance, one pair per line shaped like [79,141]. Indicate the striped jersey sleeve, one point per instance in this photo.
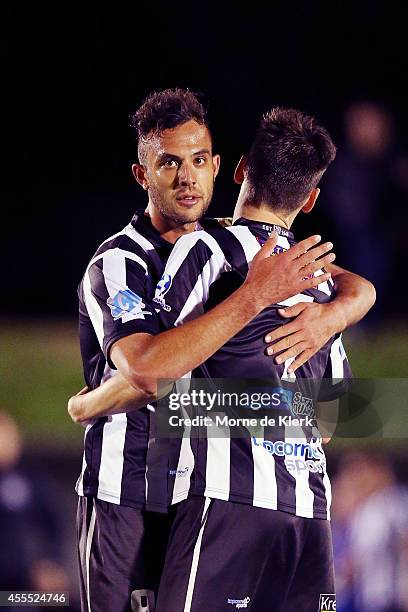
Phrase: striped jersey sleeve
[337,377]
[195,263]
[114,293]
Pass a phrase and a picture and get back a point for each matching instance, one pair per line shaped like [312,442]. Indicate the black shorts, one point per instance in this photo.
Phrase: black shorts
[120,550]
[224,556]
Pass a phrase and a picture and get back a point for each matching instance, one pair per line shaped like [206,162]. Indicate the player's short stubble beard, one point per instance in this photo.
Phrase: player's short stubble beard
[175,217]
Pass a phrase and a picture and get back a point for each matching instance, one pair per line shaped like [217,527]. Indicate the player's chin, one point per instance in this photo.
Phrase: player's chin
[190,214]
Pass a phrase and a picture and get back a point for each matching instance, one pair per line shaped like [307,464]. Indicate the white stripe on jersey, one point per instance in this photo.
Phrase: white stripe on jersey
[117,251]
[336,357]
[184,246]
[114,273]
[94,310]
[284,242]
[248,242]
[264,476]
[111,468]
[113,259]
[146,245]
[114,270]
[79,487]
[288,375]
[137,237]
[217,478]
[324,287]
[186,460]
[328,491]
[194,306]
[296,299]
[186,457]
[303,494]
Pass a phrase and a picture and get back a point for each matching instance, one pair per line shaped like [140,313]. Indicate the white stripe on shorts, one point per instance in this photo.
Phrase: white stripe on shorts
[89,539]
[196,556]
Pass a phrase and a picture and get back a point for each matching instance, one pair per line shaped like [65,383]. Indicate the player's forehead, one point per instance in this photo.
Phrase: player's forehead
[181,141]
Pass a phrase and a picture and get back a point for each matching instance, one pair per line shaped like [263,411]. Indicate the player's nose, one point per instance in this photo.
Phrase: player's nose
[187,176]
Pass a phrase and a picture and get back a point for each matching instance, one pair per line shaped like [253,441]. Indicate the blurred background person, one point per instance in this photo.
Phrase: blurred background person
[370,525]
[363,194]
[31,550]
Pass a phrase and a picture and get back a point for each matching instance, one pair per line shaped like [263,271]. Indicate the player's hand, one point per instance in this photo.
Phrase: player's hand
[274,279]
[75,408]
[314,324]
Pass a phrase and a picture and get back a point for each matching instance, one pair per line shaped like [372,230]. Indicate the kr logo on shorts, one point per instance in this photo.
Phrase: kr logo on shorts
[327,602]
[127,305]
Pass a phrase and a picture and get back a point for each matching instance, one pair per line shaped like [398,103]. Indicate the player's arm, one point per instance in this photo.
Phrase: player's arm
[142,359]
[113,397]
[314,324]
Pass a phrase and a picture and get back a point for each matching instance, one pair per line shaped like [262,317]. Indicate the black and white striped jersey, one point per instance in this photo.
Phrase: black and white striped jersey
[115,300]
[282,467]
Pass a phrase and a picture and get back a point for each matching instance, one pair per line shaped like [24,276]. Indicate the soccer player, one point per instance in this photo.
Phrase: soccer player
[254,532]
[123,471]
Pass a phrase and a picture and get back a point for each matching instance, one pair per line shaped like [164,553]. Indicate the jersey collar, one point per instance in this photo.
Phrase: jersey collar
[143,224]
[266,227]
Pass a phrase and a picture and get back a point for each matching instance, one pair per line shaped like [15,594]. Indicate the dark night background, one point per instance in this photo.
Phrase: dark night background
[74,72]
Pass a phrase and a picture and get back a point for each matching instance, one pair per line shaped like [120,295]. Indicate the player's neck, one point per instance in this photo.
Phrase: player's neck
[264,214]
[168,229]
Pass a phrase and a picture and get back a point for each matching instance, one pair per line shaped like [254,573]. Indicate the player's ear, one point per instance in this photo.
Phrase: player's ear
[239,173]
[139,173]
[311,201]
[216,164]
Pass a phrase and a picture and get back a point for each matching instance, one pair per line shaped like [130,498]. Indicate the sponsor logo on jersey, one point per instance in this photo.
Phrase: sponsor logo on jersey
[293,402]
[179,473]
[127,305]
[299,456]
[162,288]
[302,406]
[239,603]
[327,602]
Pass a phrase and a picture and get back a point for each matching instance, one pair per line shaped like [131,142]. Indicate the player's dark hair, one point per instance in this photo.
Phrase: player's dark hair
[287,158]
[166,109]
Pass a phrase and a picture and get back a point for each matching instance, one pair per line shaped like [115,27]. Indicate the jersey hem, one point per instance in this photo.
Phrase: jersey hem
[113,499]
[267,503]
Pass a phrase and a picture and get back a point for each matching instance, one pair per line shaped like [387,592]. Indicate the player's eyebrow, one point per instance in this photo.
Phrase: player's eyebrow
[168,157]
[202,152]
[164,157]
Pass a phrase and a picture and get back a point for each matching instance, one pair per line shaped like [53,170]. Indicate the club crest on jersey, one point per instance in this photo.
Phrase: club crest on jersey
[127,305]
[162,288]
[277,249]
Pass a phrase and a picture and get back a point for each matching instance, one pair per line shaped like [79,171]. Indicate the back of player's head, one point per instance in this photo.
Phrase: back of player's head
[287,158]
[163,110]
